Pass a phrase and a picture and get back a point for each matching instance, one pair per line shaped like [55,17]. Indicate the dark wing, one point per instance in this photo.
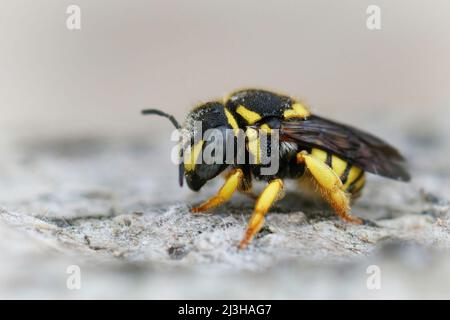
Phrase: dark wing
[359,148]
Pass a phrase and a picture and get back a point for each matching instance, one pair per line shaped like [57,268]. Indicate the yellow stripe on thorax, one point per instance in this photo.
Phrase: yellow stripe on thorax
[297,111]
[250,116]
[232,121]
[191,155]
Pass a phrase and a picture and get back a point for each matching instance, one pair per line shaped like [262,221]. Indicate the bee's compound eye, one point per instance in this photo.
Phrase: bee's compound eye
[194,182]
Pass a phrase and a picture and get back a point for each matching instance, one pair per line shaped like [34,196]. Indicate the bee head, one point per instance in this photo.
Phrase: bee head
[204,139]
[202,143]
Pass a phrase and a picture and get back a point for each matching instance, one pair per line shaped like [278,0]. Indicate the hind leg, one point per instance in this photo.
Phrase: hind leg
[330,185]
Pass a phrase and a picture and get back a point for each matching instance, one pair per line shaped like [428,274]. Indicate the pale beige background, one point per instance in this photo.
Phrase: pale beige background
[82,181]
[173,54]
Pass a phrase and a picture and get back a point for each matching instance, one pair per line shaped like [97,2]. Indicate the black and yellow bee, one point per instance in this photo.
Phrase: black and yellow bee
[334,156]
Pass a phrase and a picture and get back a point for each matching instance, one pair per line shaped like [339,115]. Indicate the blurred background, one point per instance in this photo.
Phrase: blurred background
[86,180]
[175,54]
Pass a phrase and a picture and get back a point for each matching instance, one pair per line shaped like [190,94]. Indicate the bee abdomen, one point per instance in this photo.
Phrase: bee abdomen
[352,177]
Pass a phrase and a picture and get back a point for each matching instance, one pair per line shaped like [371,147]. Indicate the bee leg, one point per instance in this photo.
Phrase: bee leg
[269,195]
[224,194]
[330,186]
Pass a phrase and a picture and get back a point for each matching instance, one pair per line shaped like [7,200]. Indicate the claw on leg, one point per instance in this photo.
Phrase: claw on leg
[225,193]
[330,186]
[269,195]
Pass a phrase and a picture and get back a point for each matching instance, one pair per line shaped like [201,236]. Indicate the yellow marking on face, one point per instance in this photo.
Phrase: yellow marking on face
[250,116]
[191,155]
[338,165]
[232,121]
[297,110]
[319,154]
[254,144]
[265,127]
[352,176]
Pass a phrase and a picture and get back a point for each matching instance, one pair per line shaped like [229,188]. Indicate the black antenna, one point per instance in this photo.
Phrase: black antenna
[177,126]
[162,114]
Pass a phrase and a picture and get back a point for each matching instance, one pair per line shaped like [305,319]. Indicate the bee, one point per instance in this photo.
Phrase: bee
[334,156]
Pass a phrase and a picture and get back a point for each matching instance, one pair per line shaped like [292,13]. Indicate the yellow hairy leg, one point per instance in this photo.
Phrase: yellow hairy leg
[249,193]
[330,184]
[230,186]
[269,195]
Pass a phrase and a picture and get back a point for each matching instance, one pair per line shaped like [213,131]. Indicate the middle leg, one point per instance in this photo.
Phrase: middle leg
[269,195]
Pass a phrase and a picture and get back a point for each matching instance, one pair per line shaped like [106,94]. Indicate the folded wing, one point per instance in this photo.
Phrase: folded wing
[359,148]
